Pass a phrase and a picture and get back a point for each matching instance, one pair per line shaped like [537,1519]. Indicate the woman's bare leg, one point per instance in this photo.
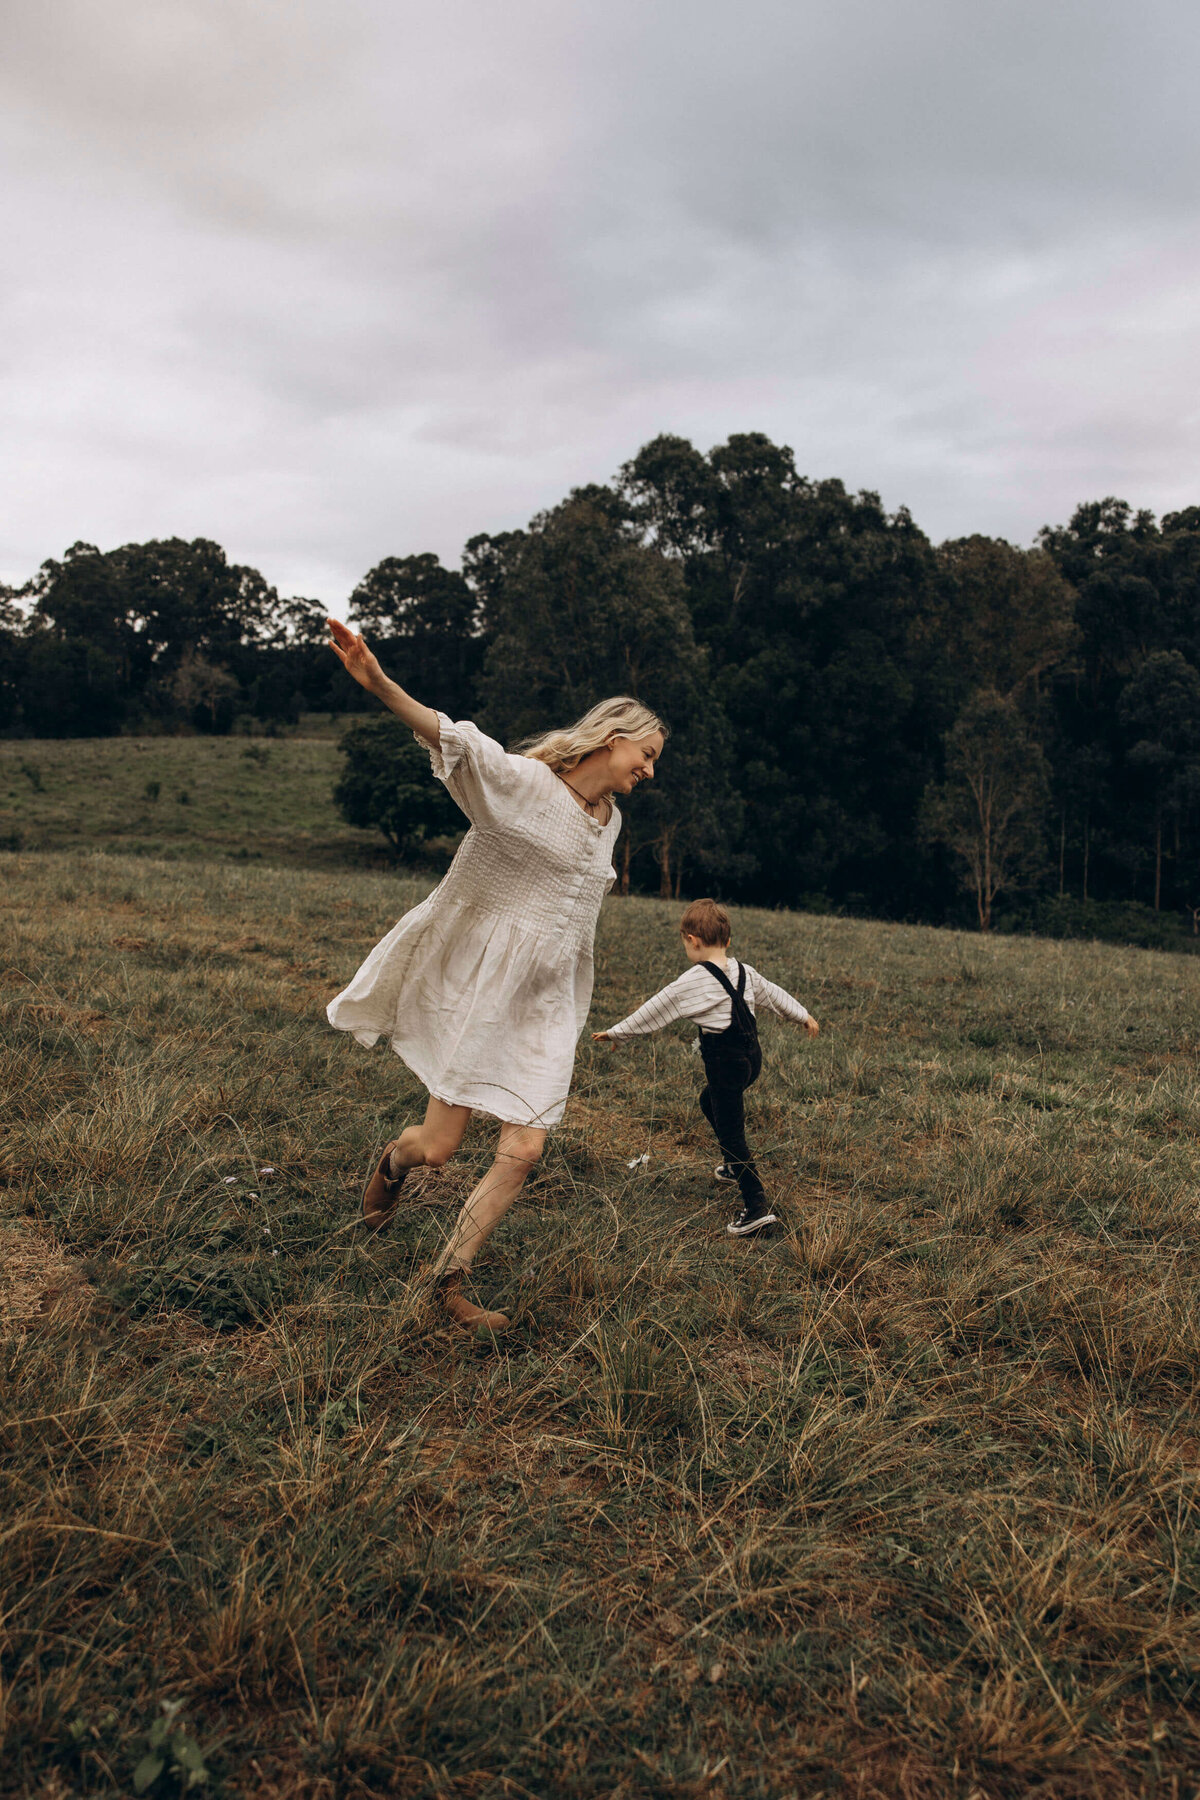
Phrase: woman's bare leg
[518,1152]
[432,1142]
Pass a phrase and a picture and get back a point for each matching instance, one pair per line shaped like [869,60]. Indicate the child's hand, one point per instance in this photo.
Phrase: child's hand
[811,1026]
[601,1037]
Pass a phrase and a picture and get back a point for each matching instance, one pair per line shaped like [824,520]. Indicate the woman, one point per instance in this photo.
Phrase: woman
[484,988]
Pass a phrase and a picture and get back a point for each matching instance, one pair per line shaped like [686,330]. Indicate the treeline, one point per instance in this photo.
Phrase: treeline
[161,636]
[860,718]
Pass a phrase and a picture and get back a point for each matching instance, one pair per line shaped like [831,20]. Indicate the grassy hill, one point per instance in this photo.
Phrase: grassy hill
[900,1504]
[180,797]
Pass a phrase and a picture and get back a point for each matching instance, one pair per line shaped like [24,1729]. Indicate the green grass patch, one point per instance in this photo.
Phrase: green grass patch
[255,799]
[902,1503]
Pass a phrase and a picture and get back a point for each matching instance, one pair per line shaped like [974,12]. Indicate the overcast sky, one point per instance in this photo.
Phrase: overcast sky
[329,280]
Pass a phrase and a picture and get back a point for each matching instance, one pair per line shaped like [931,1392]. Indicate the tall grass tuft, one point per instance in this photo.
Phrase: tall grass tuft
[902,1503]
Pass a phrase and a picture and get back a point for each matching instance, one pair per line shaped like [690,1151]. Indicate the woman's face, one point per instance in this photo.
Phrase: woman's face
[632,761]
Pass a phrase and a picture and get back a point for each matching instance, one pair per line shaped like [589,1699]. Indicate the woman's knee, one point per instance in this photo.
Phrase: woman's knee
[418,1145]
[440,1132]
[440,1146]
[521,1149]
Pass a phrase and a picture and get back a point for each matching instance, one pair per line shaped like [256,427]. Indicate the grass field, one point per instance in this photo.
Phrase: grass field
[901,1504]
[246,798]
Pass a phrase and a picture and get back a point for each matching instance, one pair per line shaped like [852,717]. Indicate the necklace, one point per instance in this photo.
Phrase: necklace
[588,804]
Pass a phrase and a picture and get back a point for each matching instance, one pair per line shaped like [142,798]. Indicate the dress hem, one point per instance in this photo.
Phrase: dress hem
[545,1122]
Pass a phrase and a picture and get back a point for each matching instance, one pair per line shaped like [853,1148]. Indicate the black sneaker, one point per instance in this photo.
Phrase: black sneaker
[723,1172]
[748,1221]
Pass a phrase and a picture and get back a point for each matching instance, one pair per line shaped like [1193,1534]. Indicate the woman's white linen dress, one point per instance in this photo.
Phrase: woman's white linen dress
[484,988]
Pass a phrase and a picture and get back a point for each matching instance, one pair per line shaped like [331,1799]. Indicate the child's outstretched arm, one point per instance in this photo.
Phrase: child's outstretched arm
[777,1000]
[676,1001]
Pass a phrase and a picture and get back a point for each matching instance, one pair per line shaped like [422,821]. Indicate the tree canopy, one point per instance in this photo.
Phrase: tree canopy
[832,678]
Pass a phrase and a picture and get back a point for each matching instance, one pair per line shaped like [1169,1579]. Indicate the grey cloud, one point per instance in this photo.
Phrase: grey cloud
[328,282]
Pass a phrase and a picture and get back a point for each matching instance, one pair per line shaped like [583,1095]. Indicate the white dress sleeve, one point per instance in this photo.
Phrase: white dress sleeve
[486,781]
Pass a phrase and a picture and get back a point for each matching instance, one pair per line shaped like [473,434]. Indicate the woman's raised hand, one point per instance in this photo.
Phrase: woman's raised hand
[354,656]
[360,662]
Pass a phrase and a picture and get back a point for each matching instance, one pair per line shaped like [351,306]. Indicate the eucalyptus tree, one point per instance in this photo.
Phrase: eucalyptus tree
[988,809]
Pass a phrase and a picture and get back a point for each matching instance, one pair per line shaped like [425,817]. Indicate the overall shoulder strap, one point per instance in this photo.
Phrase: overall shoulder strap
[741,1006]
[723,978]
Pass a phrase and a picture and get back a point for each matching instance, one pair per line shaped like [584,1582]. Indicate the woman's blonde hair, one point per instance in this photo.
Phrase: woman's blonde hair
[619,717]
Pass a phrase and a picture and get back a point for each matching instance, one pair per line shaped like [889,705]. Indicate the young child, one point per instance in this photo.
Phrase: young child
[722,996]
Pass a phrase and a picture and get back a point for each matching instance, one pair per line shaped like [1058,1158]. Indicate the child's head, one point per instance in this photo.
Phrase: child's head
[704,927]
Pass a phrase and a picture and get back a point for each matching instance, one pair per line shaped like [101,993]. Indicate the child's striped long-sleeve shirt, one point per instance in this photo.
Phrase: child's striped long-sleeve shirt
[697,996]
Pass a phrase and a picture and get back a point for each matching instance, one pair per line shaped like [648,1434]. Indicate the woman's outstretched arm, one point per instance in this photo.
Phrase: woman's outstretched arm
[360,662]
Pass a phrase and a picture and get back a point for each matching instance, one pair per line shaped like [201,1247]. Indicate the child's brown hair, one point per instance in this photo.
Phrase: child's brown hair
[705,920]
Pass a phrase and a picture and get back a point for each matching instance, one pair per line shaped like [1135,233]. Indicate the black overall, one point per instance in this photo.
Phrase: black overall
[732,1063]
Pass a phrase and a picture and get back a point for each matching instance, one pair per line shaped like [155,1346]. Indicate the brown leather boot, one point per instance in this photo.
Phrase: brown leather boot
[463,1311]
[382,1194]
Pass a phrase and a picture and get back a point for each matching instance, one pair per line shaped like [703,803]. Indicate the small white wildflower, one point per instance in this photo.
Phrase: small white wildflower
[638,1161]
[229,1180]
[269,1170]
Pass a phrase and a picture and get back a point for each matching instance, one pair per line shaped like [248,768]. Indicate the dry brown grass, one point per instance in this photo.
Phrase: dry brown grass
[901,1504]
[35,1277]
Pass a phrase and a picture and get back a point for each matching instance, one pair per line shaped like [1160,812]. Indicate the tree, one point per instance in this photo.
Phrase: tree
[1177,571]
[204,693]
[1112,557]
[186,597]
[1160,710]
[1003,617]
[294,672]
[386,786]
[1137,595]
[673,493]
[805,597]
[691,817]
[488,560]
[299,622]
[585,611]
[1101,533]
[70,687]
[988,809]
[582,609]
[12,656]
[124,621]
[427,618]
[1080,780]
